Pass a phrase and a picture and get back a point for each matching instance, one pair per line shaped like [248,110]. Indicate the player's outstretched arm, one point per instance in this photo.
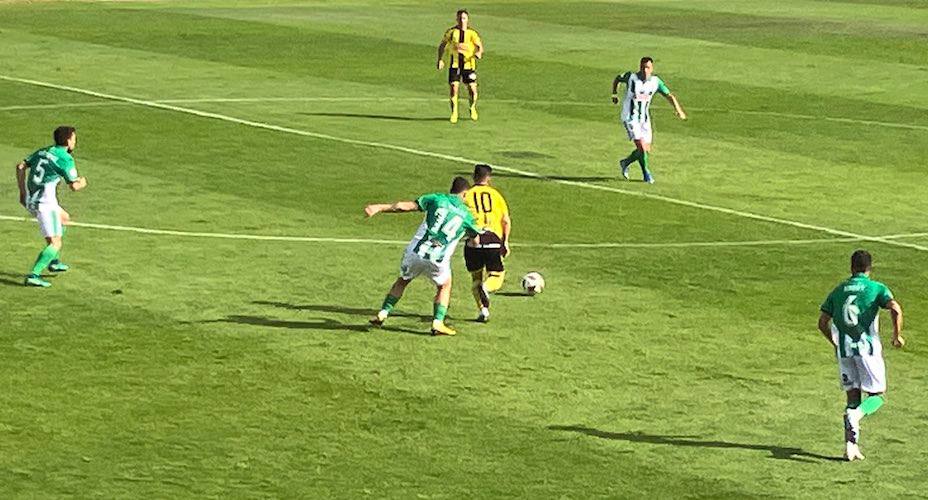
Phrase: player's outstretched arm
[441,54]
[895,310]
[21,181]
[400,206]
[824,326]
[677,109]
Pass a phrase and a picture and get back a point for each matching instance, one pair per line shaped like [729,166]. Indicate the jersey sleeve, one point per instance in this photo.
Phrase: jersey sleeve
[827,307]
[623,78]
[503,206]
[884,295]
[662,87]
[32,159]
[475,38]
[426,202]
[448,37]
[66,168]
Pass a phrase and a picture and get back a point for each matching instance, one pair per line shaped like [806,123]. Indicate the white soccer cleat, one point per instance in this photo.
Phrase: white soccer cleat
[852,452]
[484,315]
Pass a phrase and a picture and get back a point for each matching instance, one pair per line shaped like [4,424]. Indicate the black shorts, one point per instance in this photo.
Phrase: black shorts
[462,75]
[488,255]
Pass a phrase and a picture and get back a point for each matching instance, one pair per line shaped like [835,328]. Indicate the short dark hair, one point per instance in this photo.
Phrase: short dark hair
[646,59]
[63,134]
[482,171]
[462,11]
[861,261]
[459,185]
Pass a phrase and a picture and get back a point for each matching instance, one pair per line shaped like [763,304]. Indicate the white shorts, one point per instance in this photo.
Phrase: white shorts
[49,219]
[414,266]
[865,371]
[639,131]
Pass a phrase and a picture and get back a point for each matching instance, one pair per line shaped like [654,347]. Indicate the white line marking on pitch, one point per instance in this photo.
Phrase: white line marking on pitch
[309,239]
[460,159]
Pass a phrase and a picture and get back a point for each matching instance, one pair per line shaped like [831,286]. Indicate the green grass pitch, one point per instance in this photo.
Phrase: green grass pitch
[675,362]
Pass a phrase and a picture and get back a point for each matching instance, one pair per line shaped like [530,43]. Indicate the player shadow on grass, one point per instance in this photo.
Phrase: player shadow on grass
[11,279]
[379,117]
[777,452]
[314,324]
[354,311]
[571,178]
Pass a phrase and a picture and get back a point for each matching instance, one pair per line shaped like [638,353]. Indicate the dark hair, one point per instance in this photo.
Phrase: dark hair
[482,171]
[459,185]
[646,59]
[462,11]
[62,134]
[861,261]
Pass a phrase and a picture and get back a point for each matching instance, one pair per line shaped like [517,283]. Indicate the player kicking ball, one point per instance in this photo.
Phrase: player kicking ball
[636,112]
[850,322]
[38,177]
[447,220]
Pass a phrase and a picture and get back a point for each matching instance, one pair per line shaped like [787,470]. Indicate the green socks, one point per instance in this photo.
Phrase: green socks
[46,256]
[440,311]
[388,303]
[871,404]
[633,157]
[643,161]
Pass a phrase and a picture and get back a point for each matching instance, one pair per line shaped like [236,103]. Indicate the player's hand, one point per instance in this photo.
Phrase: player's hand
[681,115]
[441,64]
[615,99]
[65,217]
[371,210]
[506,251]
[898,341]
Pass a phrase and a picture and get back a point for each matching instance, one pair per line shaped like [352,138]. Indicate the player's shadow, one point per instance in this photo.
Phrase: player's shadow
[776,452]
[313,324]
[12,279]
[353,311]
[379,117]
[572,178]
[513,294]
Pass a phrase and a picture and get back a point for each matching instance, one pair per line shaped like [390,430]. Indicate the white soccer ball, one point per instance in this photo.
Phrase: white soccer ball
[533,283]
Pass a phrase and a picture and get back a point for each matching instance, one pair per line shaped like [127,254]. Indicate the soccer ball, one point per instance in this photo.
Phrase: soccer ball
[533,283]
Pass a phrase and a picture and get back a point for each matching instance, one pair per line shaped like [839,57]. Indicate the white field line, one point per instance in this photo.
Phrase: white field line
[460,159]
[308,239]
[206,100]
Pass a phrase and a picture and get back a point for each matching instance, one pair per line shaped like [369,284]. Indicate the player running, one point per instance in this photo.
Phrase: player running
[465,48]
[38,177]
[446,222]
[636,112]
[485,261]
[852,309]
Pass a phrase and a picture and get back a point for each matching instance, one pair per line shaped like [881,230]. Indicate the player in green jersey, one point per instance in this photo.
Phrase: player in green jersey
[636,112]
[850,321]
[38,177]
[447,220]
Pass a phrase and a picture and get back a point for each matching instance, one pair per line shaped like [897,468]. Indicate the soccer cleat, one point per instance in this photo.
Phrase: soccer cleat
[439,328]
[473,113]
[625,163]
[379,319]
[484,315]
[58,267]
[649,179]
[454,116]
[852,452]
[33,280]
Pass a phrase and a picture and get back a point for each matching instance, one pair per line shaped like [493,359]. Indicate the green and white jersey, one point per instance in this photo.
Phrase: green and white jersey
[638,94]
[447,220]
[47,167]
[854,307]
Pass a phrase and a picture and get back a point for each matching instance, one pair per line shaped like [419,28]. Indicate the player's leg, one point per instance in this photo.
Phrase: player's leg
[440,309]
[472,89]
[473,259]
[633,131]
[872,372]
[56,266]
[644,151]
[453,91]
[389,302]
[50,225]
[496,273]
[850,382]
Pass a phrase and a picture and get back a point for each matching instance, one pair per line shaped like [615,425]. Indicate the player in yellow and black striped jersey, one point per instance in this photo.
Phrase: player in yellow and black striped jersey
[462,46]
[485,261]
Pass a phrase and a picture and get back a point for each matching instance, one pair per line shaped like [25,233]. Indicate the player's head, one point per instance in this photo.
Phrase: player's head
[861,262]
[463,16]
[646,66]
[65,136]
[482,173]
[459,186]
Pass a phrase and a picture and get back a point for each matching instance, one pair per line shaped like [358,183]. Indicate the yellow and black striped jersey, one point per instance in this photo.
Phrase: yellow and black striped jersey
[461,46]
[487,206]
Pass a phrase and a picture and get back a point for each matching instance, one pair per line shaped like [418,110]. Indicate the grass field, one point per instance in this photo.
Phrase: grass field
[674,353]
